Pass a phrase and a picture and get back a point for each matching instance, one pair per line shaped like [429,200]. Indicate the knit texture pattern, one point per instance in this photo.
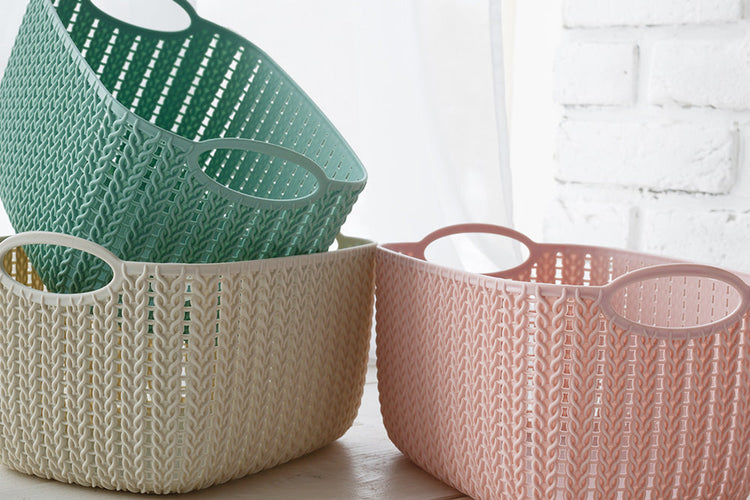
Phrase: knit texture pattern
[183,378]
[520,387]
[98,120]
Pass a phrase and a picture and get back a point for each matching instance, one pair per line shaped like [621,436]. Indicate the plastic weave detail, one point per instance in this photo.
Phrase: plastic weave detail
[181,380]
[98,130]
[522,388]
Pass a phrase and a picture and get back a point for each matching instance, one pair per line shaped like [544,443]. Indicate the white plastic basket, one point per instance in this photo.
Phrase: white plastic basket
[176,377]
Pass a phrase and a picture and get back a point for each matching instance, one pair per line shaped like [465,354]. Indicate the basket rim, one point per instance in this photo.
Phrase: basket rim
[491,279]
[517,285]
[600,294]
[349,248]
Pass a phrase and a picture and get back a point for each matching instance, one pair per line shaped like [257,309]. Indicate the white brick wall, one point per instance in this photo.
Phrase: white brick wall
[715,235]
[659,159]
[713,73]
[596,73]
[648,154]
[596,13]
[573,219]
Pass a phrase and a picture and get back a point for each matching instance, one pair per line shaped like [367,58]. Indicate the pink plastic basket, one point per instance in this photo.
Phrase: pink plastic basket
[583,373]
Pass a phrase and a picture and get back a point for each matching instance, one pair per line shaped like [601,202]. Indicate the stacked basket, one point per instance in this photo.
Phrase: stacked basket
[190,146]
[140,347]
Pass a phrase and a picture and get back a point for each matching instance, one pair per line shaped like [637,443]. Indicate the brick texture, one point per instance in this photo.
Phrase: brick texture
[584,222]
[596,73]
[653,147]
[701,73]
[742,188]
[592,13]
[660,156]
[716,237]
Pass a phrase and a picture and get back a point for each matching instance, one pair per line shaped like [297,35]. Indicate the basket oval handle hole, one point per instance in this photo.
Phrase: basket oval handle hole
[500,248]
[17,266]
[166,16]
[477,252]
[676,301]
[100,270]
[261,175]
[48,267]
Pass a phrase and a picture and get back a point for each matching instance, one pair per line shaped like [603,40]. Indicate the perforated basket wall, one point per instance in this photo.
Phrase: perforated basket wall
[192,146]
[177,377]
[526,385]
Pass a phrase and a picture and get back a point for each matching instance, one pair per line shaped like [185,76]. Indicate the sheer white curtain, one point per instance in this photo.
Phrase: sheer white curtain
[416,87]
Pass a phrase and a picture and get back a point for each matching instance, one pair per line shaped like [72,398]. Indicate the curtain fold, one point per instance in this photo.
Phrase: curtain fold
[416,87]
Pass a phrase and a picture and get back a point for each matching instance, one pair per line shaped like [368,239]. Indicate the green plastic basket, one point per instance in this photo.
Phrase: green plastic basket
[190,146]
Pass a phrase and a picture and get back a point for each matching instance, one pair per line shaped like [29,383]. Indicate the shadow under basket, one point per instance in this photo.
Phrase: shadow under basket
[177,377]
[582,373]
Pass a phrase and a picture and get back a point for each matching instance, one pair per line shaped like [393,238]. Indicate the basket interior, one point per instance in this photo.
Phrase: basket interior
[675,301]
[579,265]
[207,82]
[17,265]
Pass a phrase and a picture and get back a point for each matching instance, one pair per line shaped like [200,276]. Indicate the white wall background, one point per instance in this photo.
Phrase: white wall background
[410,85]
[652,148]
[533,113]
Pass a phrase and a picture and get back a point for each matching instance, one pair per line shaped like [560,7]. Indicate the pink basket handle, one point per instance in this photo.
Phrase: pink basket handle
[418,248]
[676,271]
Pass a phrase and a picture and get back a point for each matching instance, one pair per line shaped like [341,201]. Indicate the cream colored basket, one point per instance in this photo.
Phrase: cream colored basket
[176,377]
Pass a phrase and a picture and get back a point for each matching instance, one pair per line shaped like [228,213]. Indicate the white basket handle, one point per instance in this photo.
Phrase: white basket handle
[676,271]
[417,249]
[323,182]
[64,240]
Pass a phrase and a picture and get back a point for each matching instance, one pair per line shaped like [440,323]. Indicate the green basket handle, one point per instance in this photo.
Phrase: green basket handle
[188,7]
[323,182]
